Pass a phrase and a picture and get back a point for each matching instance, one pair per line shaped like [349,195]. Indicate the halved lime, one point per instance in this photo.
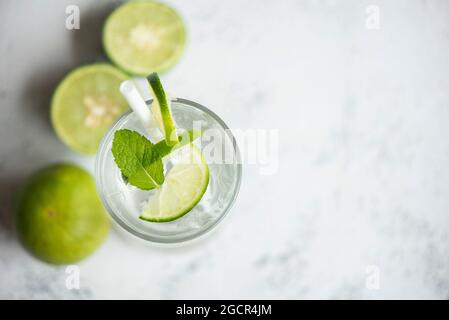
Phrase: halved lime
[161,109]
[85,104]
[144,36]
[184,186]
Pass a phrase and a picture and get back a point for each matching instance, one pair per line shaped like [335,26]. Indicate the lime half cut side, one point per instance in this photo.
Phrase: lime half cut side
[85,104]
[144,36]
[184,186]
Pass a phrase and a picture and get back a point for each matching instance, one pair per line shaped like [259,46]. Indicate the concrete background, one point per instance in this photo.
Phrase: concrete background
[363,180]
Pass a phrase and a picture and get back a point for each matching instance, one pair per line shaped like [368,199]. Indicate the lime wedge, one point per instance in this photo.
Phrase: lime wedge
[144,36]
[161,110]
[184,186]
[85,104]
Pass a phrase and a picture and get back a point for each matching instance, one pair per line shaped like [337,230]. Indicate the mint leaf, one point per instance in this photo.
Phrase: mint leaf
[162,148]
[139,162]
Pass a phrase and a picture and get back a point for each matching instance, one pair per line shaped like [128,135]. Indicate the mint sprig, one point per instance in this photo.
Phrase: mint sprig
[163,148]
[136,158]
[140,160]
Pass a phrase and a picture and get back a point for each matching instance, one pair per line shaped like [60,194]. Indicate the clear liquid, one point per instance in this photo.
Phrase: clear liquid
[127,201]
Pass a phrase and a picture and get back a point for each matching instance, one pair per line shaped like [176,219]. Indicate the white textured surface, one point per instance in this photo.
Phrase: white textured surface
[364,150]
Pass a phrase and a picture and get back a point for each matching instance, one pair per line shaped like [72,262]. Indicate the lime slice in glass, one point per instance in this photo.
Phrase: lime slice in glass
[184,186]
[161,110]
[144,36]
[85,104]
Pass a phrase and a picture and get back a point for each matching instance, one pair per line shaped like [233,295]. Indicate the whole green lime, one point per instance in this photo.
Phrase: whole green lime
[60,218]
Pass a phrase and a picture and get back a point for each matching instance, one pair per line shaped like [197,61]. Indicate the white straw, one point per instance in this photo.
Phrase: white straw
[136,95]
[136,102]
[143,88]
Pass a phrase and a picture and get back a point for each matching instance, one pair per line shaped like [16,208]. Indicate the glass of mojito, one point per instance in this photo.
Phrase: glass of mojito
[170,171]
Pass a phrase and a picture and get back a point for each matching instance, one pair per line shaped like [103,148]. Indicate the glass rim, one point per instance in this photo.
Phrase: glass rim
[102,150]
